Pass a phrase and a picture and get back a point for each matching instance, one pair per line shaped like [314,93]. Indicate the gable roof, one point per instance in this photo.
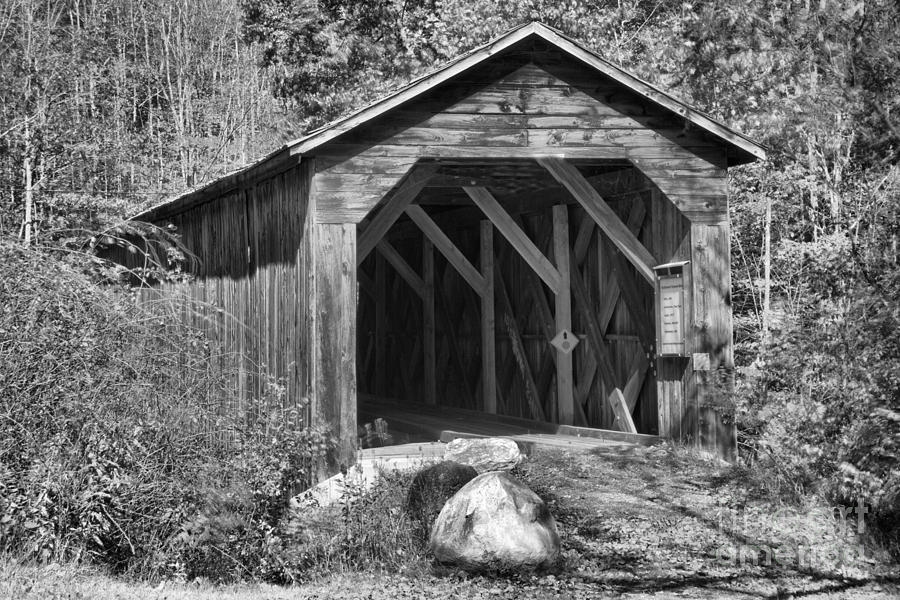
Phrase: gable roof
[742,149]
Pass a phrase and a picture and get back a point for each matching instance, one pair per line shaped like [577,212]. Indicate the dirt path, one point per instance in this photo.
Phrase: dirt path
[658,523]
[664,523]
[643,523]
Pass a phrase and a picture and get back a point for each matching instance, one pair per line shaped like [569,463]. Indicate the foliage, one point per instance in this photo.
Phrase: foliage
[115,449]
[334,56]
[369,529]
[112,105]
[821,409]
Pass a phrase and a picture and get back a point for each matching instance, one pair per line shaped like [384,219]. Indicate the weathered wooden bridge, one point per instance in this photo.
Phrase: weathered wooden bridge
[529,231]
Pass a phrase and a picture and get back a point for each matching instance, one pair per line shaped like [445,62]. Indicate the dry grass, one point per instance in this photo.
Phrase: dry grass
[58,582]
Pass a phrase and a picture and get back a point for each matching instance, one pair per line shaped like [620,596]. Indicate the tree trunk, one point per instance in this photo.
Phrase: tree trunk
[29,192]
[767,278]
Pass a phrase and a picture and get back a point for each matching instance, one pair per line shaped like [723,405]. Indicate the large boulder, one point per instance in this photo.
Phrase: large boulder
[495,522]
[431,488]
[484,454]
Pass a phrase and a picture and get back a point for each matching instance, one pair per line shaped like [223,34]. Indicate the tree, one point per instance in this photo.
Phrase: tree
[107,105]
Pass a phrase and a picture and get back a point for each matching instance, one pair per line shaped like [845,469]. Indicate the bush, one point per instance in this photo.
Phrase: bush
[368,529]
[114,448]
[822,414]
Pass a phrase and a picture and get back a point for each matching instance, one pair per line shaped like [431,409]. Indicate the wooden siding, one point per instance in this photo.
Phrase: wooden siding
[283,291]
[249,292]
[525,103]
[332,304]
[522,104]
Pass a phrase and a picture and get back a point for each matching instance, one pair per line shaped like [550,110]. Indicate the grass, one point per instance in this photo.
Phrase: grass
[661,522]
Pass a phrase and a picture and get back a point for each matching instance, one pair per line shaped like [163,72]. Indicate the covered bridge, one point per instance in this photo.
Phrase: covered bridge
[529,231]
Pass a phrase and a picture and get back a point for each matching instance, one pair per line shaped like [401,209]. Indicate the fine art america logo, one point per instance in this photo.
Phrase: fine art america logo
[843,522]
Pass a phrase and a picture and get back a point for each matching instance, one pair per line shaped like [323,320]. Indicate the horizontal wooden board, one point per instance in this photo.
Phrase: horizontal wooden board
[705,154]
[597,119]
[363,163]
[538,138]
[327,181]
[527,110]
[511,136]
[545,101]
[346,207]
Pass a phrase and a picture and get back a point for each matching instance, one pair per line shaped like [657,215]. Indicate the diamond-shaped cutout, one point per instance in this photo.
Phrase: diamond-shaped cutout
[565,341]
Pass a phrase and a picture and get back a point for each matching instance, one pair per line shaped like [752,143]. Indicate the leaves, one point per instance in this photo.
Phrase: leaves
[118,442]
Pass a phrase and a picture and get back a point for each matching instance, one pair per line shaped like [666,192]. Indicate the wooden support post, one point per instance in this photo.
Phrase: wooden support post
[564,376]
[380,326]
[488,340]
[428,324]
[712,336]
[568,175]
[634,300]
[335,350]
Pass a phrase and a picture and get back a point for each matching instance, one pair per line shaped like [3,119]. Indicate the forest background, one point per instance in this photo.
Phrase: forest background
[110,106]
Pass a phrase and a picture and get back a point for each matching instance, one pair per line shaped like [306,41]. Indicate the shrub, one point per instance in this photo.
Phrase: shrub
[821,414]
[114,448]
[368,529]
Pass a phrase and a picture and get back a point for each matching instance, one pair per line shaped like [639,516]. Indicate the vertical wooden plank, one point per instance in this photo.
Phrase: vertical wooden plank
[335,306]
[712,328]
[488,340]
[686,412]
[312,320]
[564,376]
[726,429]
[710,263]
[662,403]
[348,304]
[706,415]
[428,322]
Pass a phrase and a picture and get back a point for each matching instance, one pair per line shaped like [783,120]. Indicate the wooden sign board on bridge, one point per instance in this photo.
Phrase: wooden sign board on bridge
[672,290]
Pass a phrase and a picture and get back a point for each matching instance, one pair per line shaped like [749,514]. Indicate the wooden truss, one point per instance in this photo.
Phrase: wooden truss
[561,272]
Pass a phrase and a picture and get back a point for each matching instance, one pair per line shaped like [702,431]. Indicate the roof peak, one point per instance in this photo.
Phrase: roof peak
[502,42]
[741,147]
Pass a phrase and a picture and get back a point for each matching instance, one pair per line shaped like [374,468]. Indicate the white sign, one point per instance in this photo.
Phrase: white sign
[565,341]
[671,315]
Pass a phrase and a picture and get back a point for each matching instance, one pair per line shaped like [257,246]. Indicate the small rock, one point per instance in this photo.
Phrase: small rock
[495,522]
[432,487]
[484,454]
